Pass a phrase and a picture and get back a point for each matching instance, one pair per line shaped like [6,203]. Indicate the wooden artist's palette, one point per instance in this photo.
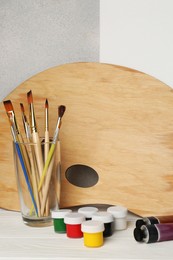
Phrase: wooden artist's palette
[118,121]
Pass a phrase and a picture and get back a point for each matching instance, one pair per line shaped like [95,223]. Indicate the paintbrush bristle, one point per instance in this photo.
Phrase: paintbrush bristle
[61,110]
[46,104]
[29,97]
[8,106]
[10,112]
[22,107]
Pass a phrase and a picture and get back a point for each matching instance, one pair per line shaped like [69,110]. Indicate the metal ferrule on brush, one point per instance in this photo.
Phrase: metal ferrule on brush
[27,130]
[12,119]
[32,119]
[56,131]
[25,124]
[13,133]
[13,125]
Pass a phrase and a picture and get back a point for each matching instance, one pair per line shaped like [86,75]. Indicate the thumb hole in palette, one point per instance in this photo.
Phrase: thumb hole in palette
[81,176]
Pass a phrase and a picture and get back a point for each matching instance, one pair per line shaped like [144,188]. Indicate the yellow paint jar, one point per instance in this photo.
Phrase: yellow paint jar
[93,233]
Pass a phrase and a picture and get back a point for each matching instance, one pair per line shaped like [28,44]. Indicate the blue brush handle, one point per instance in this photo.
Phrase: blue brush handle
[26,175]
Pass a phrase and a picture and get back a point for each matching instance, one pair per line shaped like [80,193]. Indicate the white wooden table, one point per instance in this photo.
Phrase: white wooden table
[18,241]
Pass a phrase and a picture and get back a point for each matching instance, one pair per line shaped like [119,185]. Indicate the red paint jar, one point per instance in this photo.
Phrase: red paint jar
[73,223]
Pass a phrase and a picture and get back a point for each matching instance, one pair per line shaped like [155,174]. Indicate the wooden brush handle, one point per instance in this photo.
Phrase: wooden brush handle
[46,146]
[38,152]
[38,155]
[37,196]
[46,151]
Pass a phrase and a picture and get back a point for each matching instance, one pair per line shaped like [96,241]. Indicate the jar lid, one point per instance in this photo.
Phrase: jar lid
[88,211]
[74,218]
[92,226]
[103,216]
[118,211]
[60,213]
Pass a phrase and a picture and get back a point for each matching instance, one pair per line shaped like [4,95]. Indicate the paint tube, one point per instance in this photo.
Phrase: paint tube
[154,233]
[154,220]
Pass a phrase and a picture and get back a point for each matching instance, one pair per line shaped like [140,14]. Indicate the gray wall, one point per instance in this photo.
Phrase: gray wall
[39,34]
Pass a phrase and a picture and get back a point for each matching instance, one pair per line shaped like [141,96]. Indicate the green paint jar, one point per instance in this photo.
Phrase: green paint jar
[58,219]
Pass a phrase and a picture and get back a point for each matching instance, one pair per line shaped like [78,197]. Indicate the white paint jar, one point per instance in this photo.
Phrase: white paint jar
[120,216]
[88,212]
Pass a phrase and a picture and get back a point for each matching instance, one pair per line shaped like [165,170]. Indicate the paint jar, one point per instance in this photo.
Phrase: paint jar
[154,233]
[108,221]
[93,233]
[88,212]
[120,217]
[73,223]
[154,220]
[58,219]
[36,203]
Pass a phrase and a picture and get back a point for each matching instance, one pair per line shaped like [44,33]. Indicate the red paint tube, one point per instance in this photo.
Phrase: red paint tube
[154,233]
[154,220]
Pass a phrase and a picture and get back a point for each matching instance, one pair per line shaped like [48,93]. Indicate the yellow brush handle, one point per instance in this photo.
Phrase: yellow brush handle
[34,179]
[47,182]
[50,154]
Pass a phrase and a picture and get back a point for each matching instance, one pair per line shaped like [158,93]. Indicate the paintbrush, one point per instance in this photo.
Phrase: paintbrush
[46,145]
[8,105]
[36,140]
[31,157]
[35,136]
[25,123]
[10,112]
[50,159]
[23,147]
[15,132]
[61,110]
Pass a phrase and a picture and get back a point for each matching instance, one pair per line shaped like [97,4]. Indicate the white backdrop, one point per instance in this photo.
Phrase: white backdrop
[138,34]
